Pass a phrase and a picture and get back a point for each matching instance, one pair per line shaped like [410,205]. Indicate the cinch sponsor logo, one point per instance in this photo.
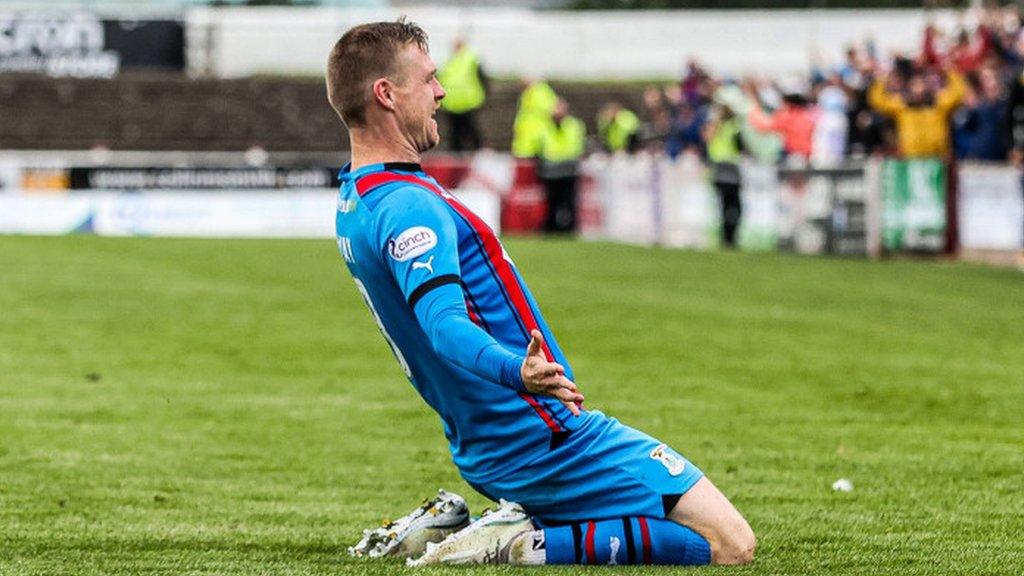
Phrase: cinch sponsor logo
[411,243]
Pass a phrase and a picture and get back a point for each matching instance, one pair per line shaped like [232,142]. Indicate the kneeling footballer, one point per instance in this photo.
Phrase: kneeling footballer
[573,485]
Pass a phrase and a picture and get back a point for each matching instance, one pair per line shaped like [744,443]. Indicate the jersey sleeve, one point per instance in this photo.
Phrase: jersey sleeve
[418,242]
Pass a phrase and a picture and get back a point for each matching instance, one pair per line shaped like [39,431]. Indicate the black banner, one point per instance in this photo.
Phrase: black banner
[262,178]
[146,43]
[82,45]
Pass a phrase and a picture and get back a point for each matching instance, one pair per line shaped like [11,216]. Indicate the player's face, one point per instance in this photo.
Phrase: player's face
[417,98]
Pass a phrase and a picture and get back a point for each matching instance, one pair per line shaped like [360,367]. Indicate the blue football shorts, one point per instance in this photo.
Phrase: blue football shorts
[604,470]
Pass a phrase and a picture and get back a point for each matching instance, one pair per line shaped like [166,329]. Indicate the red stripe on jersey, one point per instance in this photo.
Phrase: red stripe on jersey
[591,555]
[371,181]
[472,313]
[541,411]
[495,254]
[645,538]
[492,247]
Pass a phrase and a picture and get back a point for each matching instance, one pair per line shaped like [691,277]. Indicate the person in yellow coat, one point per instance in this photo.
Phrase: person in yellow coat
[618,127]
[922,116]
[562,143]
[466,85]
[536,105]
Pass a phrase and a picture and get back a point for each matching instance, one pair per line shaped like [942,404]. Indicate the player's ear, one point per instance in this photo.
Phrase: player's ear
[384,93]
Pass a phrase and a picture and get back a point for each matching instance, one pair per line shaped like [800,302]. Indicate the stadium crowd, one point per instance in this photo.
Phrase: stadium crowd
[960,95]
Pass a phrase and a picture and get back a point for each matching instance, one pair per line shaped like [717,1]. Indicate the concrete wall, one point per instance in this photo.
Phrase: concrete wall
[172,112]
[573,45]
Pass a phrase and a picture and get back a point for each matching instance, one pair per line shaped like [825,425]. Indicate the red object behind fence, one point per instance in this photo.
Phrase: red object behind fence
[524,208]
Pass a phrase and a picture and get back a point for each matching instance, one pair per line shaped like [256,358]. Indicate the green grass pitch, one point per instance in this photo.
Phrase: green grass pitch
[228,407]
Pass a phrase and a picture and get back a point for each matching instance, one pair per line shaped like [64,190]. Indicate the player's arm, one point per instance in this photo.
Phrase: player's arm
[443,315]
[419,243]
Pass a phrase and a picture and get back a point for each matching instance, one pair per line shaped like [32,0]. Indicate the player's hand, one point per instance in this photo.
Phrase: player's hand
[548,378]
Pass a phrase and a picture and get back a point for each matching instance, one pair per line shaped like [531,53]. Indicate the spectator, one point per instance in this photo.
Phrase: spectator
[536,104]
[866,128]
[849,72]
[967,55]
[463,78]
[794,121]
[724,146]
[921,116]
[979,127]
[1015,119]
[1006,27]
[762,146]
[828,145]
[685,131]
[618,127]
[562,144]
[694,85]
[657,119]
[931,51]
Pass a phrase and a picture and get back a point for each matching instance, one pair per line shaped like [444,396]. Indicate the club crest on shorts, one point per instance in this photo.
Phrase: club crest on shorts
[673,463]
[412,242]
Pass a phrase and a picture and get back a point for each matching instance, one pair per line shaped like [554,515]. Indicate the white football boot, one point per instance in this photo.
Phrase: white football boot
[486,541]
[409,535]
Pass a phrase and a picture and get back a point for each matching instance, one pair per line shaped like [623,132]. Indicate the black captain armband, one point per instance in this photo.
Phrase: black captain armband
[429,285]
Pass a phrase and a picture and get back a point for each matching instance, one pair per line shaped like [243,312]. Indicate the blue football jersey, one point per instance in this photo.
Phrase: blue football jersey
[455,312]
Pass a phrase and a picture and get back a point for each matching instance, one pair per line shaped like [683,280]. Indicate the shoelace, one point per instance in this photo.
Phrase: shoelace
[473,526]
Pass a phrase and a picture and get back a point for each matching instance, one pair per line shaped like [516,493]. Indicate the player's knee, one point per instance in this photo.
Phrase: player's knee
[735,546]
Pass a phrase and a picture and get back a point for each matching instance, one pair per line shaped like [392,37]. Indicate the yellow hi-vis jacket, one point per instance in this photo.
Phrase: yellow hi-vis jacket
[616,132]
[460,78]
[536,104]
[564,141]
[920,130]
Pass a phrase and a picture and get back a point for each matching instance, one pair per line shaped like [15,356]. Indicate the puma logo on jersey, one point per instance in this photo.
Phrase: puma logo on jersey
[428,265]
[538,540]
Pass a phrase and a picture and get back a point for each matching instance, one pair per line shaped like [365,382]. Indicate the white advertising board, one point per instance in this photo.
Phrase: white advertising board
[45,215]
[10,175]
[204,214]
[654,200]
[219,214]
[991,207]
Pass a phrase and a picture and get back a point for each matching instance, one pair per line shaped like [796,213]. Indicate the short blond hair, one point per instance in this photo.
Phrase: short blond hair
[361,56]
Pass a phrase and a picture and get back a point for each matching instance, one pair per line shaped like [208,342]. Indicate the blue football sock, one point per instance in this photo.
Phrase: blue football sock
[625,541]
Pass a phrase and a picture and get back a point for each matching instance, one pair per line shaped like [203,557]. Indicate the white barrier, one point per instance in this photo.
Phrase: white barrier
[202,214]
[292,214]
[214,214]
[45,215]
[650,199]
[991,207]
[642,199]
